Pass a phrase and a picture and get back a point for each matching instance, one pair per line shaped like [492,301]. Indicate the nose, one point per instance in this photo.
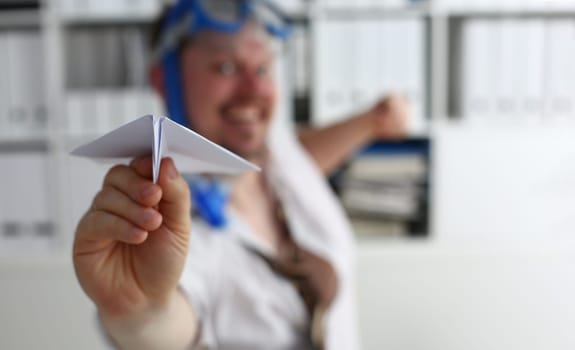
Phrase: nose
[254,83]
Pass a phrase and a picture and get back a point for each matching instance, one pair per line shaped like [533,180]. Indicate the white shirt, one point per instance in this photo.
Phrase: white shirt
[240,301]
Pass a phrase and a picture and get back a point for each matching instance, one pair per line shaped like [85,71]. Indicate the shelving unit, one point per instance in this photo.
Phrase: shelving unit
[91,102]
[75,109]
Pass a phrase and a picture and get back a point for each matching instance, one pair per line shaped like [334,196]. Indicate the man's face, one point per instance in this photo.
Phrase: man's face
[229,90]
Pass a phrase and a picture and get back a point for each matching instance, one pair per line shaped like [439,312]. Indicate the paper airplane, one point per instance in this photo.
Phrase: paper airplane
[161,137]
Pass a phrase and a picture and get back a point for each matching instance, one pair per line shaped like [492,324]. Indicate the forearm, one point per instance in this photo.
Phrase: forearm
[331,146]
[173,326]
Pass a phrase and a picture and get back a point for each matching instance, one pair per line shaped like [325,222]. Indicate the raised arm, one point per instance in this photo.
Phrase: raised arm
[331,146]
[129,252]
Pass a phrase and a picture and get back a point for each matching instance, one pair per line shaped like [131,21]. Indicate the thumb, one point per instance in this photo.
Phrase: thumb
[175,203]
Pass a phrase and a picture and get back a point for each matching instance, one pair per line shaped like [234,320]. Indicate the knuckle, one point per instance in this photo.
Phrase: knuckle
[114,173]
[117,169]
[112,223]
[102,197]
[89,223]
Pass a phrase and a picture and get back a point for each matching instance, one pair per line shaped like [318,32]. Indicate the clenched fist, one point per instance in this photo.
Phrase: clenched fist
[389,118]
[131,245]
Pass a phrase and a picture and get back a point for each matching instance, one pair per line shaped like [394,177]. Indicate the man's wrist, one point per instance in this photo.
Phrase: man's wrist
[172,324]
[369,125]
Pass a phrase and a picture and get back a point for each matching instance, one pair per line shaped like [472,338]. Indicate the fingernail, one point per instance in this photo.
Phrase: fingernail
[148,217]
[148,191]
[134,162]
[172,172]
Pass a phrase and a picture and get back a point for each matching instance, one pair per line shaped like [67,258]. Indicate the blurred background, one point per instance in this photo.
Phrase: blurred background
[464,230]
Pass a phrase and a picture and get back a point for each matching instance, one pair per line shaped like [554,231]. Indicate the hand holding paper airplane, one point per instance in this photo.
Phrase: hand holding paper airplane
[162,137]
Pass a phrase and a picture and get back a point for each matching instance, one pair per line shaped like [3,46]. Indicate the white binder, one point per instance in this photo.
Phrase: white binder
[477,70]
[25,202]
[35,84]
[414,73]
[17,103]
[505,69]
[4,86]
[529,46]
[367,64]
[332,71]
[560,71]
[389,72]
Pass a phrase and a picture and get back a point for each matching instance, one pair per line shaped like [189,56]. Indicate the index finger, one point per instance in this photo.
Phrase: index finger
[143,166]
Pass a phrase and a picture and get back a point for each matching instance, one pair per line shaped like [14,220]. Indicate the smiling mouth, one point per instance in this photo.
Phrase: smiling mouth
[244,115]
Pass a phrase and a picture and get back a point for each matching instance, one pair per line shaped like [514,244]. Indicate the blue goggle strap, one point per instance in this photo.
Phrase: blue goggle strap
[185,17]
[210,198]
[279,31]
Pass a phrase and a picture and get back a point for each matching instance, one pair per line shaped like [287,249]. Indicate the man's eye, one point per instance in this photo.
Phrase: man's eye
[262,71]
[226,68]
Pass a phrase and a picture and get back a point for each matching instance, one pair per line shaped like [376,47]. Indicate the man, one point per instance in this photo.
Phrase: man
[278,273]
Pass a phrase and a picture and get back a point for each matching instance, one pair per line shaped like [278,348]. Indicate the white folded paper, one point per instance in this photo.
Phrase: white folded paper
[161,137]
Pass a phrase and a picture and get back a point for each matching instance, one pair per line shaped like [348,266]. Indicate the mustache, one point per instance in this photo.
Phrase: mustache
[245,101]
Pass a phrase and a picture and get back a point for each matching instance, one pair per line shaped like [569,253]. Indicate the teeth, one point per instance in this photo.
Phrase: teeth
[245,115]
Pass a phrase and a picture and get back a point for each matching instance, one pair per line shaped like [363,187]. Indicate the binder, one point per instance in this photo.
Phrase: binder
[331,70]
[414,73]
[560,71]
[318,69]
[367,64]
[505,69]
[388,61]
[351,49]
[72,112]
[4,86]
[24,184]
[345,69]
[478,45]
[82,58]
[111,68]
[397,50]
[15,112]
[35,83]
[25,73]
[299,60]
[374,59]
[134,57]
[529,46]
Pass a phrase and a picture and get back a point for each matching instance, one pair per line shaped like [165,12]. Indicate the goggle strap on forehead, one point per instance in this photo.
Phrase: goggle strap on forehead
[171,37]
[189,16]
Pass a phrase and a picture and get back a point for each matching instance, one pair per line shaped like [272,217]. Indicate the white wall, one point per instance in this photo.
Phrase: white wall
[505,182]
[412,296]
[486,297]
[42,307]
